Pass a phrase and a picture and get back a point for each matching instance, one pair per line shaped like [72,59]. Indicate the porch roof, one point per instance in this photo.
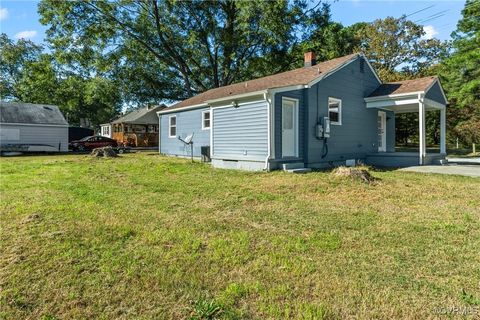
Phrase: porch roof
[405,96]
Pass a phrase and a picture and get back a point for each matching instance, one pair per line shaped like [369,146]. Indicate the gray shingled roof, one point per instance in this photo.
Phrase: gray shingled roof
[20,112]
[145,115]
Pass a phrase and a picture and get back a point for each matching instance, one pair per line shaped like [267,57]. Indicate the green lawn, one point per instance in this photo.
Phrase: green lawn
[144,236]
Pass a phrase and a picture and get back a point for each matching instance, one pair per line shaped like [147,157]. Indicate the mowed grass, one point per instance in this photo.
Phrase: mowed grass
[145,236]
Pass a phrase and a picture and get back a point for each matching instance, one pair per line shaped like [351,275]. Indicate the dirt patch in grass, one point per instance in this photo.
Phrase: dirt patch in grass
[358,174]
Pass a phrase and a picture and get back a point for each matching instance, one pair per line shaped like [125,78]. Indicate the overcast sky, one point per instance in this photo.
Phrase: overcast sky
[19,19]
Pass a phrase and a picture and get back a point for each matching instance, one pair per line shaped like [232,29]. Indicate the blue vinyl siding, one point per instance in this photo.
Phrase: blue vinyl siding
[357,135]
[435,94]
[241,133]
[188,122]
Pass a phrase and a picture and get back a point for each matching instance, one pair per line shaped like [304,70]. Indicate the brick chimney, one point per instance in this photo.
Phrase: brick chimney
[309,59]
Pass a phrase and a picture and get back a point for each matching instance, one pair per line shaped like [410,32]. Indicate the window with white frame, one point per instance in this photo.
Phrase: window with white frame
[206,120]
[106,130]
[335,111]
[172,127]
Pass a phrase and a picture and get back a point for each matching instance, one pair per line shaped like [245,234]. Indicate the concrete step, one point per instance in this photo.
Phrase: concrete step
[299,170]
[293,165]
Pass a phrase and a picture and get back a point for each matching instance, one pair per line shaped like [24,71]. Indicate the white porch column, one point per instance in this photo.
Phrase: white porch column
[443,148]
[421,129]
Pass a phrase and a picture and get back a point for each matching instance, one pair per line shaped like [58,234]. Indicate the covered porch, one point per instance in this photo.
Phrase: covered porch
[411,96]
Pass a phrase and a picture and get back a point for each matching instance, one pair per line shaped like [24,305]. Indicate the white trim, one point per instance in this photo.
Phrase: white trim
[433,104]
[371,67]
[384,133]
[195,106]
[287,88]
[391,103]
[34,124]
[271,129]
[443,131]
[237,96]
[339,123]
[393,96]
[296,123]
[203,119]
[238,104]
[170,126]
[346,63]
[421,129]
[211,133]
[159,133]
[269,137]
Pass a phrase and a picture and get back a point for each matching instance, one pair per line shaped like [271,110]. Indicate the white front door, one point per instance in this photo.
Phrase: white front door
[382,131]
[289,128]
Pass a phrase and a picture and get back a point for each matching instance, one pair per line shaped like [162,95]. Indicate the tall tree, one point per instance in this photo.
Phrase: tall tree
[192,45]
[397,47]
[29,75]
[461,76]
[328,39]
[14,57]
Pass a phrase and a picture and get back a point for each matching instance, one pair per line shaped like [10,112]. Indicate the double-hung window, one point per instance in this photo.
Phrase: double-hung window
[206,120]
[172,126]
[335,111]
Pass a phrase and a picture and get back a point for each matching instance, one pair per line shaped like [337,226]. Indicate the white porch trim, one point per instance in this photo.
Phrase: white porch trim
[413,102]
[421,129]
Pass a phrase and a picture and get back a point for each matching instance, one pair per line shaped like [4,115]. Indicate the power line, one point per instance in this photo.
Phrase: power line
[411,14]
[433,16]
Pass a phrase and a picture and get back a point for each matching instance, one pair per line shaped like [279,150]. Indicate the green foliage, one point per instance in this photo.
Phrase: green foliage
[14,59]
[396,47]
[192,45]
[31,76]
[326,38]
[461,76]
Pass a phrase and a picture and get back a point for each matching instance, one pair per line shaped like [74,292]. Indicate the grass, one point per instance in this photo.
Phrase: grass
[144,236]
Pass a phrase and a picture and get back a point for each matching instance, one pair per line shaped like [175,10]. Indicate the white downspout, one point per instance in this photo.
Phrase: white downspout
[269,135]
[159,132]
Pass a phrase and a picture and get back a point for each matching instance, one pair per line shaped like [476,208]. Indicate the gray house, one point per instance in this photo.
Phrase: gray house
[332,113]
[32,127]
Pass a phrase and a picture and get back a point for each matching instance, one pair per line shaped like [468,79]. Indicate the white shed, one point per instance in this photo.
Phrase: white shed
[32,127]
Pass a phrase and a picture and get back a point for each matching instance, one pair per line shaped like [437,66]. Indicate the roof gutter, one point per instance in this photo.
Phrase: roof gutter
[237,96]
[195,106]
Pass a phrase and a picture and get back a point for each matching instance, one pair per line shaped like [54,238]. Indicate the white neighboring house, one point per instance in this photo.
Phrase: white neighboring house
[106,130]
[32,127]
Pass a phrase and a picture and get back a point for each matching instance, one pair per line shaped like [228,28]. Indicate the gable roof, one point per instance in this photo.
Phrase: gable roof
[29,113]
[300,76]
[145,115]
[404,87]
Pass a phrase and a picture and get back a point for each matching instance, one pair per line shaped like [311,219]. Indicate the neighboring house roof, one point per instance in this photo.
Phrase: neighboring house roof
[300,76]
[404,87]
[28,113]
[147,115]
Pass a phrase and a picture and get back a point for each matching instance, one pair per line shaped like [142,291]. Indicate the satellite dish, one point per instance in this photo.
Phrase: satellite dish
[188,141]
